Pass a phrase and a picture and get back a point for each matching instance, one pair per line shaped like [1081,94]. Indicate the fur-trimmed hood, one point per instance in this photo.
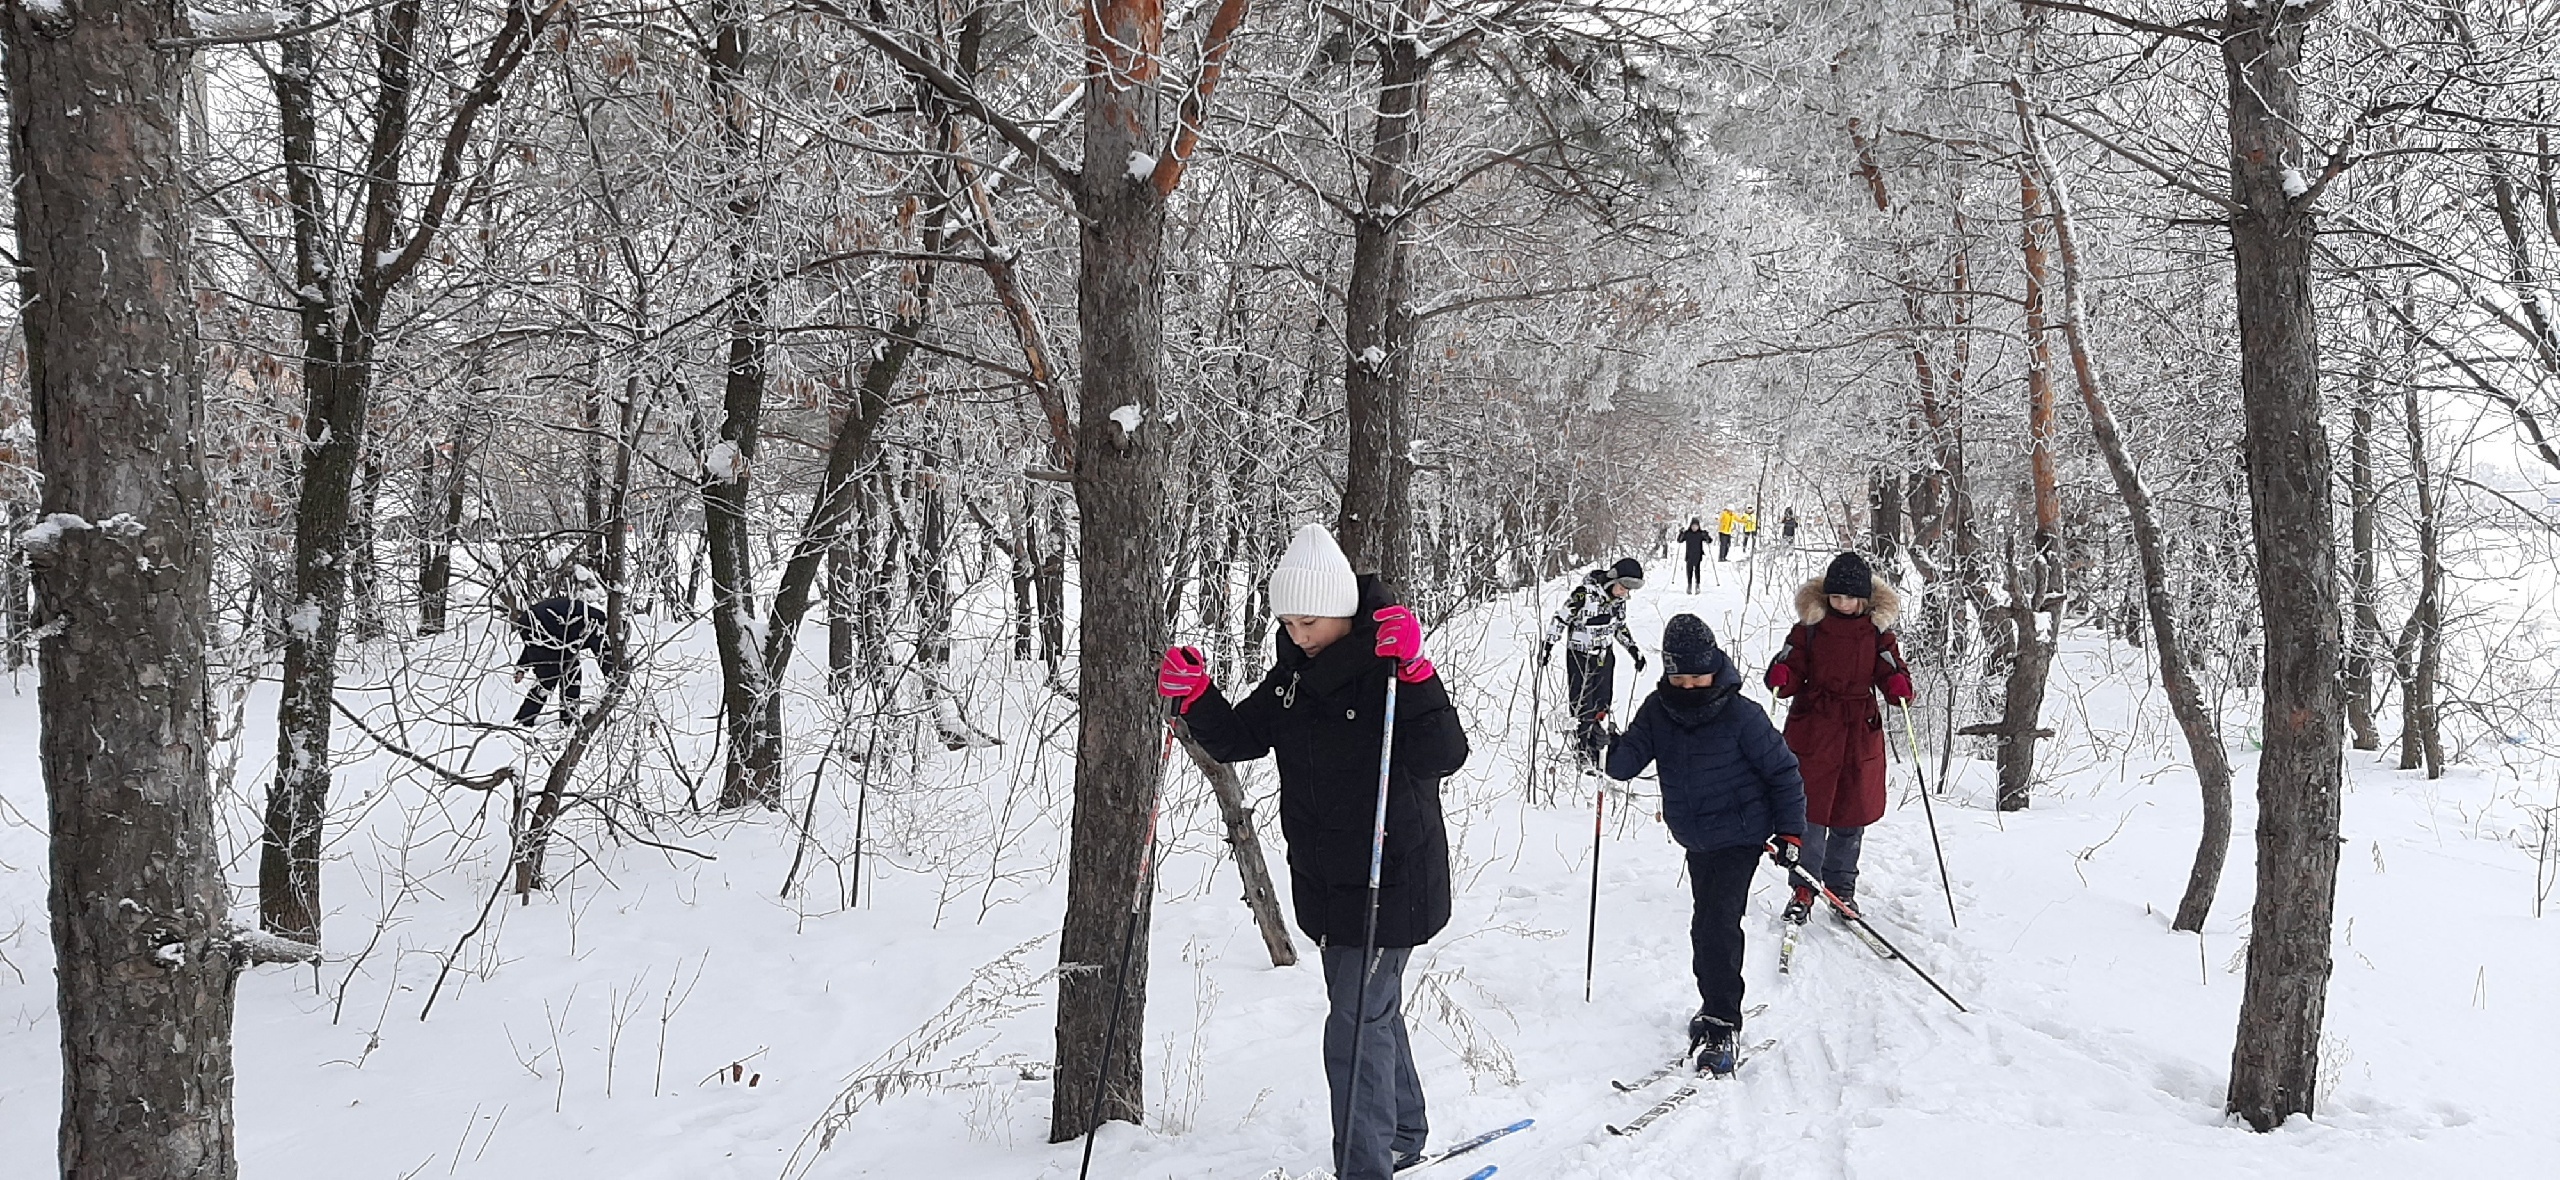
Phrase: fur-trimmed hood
[1884,606]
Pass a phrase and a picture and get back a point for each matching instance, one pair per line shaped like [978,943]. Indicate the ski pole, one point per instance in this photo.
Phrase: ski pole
[1805,880]
[1591,944]
[1369,925]
[1128,947]
[1537,723]
[1912,737]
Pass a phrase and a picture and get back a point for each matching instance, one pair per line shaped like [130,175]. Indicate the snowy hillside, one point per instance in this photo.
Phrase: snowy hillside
[665,1014]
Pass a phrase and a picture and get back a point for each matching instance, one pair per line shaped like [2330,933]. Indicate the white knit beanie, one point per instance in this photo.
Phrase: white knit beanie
[1314,578]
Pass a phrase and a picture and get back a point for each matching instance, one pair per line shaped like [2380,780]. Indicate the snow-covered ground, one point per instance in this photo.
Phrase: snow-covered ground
[664,1015]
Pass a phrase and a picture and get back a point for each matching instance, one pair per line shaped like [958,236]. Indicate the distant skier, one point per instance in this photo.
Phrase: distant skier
[1750,530]
[1730,791]
[1319,713]
[1787,527]
[1839,655]
[554,631]
[1593,617]
[1693,549]
[1725,522]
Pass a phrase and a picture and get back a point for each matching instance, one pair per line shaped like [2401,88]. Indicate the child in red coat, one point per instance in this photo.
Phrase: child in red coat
[1840,654]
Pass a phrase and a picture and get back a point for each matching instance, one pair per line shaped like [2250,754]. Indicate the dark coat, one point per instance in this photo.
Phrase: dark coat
[1693,542]
[1319,718]
[1835,726]
[1728,780]
[555,630]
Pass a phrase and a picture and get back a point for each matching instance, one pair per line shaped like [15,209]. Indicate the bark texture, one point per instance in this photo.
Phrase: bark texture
[2275,1058]
[144,964]
[1375,527]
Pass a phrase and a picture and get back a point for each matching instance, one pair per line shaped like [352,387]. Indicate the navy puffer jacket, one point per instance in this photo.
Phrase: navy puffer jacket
[1728,779]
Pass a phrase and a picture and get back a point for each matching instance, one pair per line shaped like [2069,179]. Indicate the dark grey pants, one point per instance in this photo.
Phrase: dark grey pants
[1390,1117]
[1831,855]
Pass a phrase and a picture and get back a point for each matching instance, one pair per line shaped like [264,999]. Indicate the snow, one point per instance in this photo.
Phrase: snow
[44,9]
[2294,184]
[658,1015]
[253,23]
[1141,166]
[305,619]
[1127,418]
[1373,358]
[723,463]
[44,534]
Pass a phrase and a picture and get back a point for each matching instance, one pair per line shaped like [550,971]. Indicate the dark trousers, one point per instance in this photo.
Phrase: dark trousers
[1694,560]
[1719,888]
[1724,545]
[1831,856]
[550,676]
[1590,680]
[1390,1117]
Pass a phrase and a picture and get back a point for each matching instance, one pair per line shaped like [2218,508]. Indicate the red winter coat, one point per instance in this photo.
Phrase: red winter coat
[1838,663]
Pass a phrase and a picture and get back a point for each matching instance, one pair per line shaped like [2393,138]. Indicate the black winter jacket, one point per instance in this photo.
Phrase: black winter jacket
[1728,779]
[1319,718]
[554,630]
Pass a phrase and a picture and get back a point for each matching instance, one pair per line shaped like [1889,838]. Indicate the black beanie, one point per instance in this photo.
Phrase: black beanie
[1849,575]
[1688,647]
[1629,571]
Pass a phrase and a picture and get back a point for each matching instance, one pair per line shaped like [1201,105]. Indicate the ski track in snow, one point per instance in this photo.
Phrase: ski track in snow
[2097,1047]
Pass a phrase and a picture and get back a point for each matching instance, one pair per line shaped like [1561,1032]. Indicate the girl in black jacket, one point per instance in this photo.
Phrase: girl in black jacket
[1319,713]
[1729,786]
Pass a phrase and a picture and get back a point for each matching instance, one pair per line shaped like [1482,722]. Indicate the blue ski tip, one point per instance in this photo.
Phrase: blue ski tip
[1522,1125]
[1489,1169]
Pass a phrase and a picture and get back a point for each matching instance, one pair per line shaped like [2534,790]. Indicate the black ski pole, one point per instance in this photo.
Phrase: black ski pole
[1912,737]
[1369,926]
[1591,943]
[1128,949]
[1803,879]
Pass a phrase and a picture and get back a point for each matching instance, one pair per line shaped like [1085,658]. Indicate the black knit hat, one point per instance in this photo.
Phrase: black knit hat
[1628,572]
[1849,575]
[1688,647]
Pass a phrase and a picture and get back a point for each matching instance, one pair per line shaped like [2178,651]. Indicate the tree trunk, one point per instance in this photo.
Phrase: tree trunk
[364,571]
[1120,504]
[2275,1057]
[2421,744]
[752,772]
[442,495]
[337,380]
[1376,523]
[2363,506]
[144,965]
[2177,676]
[2036,587]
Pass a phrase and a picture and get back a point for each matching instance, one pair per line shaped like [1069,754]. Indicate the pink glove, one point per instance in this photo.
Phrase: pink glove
[1781,678]
[1399,633]
[1183,676]
[1897,688]
[1415,671]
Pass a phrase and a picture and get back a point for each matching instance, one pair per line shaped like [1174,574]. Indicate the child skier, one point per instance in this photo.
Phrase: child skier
[1319,713]
[1593,617]
[1730,791]
[1693,545]
[1841,652]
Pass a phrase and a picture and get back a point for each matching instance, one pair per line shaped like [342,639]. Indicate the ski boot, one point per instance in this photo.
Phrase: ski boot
[1711,1042]
[1799,908]
[1848,905]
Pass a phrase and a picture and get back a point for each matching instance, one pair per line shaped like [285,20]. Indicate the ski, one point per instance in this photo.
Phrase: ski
[1873,943]
[1682,1095]
[1787,946]
[1462,1148]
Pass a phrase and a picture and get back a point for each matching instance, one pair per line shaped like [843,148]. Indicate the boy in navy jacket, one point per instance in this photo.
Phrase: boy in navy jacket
[1730,790]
